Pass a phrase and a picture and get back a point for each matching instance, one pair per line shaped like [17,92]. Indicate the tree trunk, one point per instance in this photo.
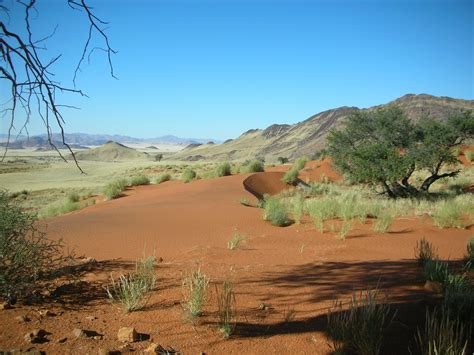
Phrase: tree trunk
[387,190]
[434,177]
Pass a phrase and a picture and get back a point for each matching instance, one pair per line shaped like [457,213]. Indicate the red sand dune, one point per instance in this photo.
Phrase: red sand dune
[260,184]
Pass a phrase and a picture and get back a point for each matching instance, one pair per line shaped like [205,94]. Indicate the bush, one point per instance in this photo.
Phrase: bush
[449,214]
[226,309]
[469,155]
[139,180]
[290,176]
[162,178]
[442,334]
[360,328]
[275,212]
[469,258]
[436,270]
[128,291]
[224,169]
[115,189]
[235,241]
[26,253]
[300,163]
[424,251]
[73,197]
[282,160]
[188,175]
[297,206]
[254,166]
[57,210]
[194,292]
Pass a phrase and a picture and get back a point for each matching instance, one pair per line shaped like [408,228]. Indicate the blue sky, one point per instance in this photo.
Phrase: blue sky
[218,68]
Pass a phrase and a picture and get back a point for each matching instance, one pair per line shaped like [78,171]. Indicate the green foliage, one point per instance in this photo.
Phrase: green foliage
[26,253]
[297,207]
[383,147]
[449,214]
[195,293]
[424,251]
[158,157]
[383,222]
[162,178]
[188,175]
[275,212]
[235,241]
[469,257]
[129,290]
[290,176]
[223,169]
[436,270]
[442,334]
[300,163]
[73,197]
[115,188]
[282,160]
[469,154]
[360,328]
[139,180]
[59,209]
[345,228]
[226,309]
[254,166]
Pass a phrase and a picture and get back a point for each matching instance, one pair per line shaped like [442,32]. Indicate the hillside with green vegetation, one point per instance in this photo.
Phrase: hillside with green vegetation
[112,151]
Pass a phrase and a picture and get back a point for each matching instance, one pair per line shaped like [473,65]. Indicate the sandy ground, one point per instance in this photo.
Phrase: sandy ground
[295,271]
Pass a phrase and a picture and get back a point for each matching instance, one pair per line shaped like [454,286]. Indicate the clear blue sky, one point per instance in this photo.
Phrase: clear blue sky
[218,68]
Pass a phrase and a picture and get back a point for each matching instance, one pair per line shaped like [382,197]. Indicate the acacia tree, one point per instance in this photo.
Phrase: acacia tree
[384,147]
[28,71]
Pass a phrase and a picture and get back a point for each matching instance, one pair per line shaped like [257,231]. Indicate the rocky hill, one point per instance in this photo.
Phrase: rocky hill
[309,136]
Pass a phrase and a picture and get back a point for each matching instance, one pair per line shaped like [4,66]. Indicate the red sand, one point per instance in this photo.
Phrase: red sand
[292,268]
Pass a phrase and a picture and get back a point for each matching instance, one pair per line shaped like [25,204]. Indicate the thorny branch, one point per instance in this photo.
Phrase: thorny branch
[29,77]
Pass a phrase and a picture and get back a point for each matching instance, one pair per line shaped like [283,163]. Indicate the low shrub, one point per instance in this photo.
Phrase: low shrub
[383,222]
[73,197]
[235,241]
[26,253]
[162,178]
[449,214]
[144,271]
[282,160]
[223,169]
[194,288]
[290,176]
[297,207]
[469,257]
[424,251]
[139,180]
[436,270]
[254,166]
[188,175]
[275,212]
[60,209]
[469,155]
[115,188]
[226,309]
[442,334]
[129,291]
[300,163]
[360,328]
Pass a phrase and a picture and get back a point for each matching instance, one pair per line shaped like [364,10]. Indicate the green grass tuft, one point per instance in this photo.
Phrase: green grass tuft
[235,241]
[275,212]
[226,309]
[162,178]
[194,288]
[139,180]
[223,169]
[188,175]
[424,251]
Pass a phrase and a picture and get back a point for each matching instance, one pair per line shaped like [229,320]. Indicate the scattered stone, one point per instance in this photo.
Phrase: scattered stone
[127,334]
[5,305]
[22,319]
[79,333]
[61,340]
[46,313]
[433,286]
[91,318]
[36,336]
[264,307]
[97,337]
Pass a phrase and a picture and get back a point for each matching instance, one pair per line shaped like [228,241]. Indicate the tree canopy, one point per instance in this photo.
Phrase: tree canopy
[384,147]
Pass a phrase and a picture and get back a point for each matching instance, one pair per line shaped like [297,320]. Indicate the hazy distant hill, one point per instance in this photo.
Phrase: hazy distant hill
[112,151]
[309,136]
[84,139]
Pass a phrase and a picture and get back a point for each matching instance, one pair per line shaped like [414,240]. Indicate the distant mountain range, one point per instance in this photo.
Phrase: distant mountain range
[309,136]
[81,140]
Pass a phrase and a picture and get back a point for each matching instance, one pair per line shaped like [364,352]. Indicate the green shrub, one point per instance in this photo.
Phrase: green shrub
[139,180]
[383,222]
[282,160]
[360,328]
[129,291]
[290,176]
[300,163]
[26,253]
[469,155]
[115,188]
[188,175]
[223,169]
[194,293]
[346,227]
[60,209]
[73,197]
[442,334]
[235,241]
[162,178]
[449,214]
[436,270]
[469,257]
[275,212]
[297,207]
[144,271]
[254,166]
[226,309]
[424,251]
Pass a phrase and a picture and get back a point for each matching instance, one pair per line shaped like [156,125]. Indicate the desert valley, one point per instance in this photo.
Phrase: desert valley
[261,244]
